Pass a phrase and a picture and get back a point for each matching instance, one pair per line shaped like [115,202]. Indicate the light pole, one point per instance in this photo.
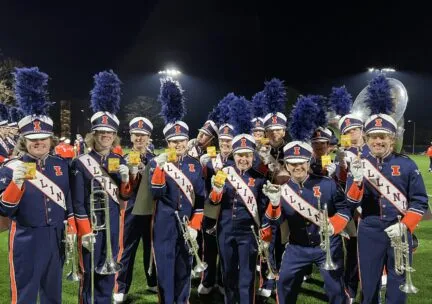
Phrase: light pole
[413,139]
[170,72]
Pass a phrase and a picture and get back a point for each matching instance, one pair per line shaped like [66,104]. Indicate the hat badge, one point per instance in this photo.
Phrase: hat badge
[226,129]
[296,150]
[36,125]
[243,142]
[318,134]
[177,129]
[140,124]
[347,121]
[378,122]
[274,119]
[105,119]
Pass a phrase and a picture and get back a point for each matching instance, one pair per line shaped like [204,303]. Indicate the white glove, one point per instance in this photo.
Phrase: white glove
[395,230]
[204,159]
[273,192]
[191,143]
[214,187]
[356,170]
[331,169]
[18,176]
[161,159]
[87,240]
[264,154]
[124,173]
[133,170]
[192,232]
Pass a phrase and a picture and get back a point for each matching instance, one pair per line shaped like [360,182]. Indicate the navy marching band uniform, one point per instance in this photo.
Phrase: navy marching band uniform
[299,205]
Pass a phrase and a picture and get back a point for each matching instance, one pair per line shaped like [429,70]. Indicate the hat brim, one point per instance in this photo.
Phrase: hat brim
[275,127]
[178,137]
[37,136]
[104,129]
[352,127]
[382,131]
[139,132]
[296,160]
[226,137]
[320,140]
[244,150]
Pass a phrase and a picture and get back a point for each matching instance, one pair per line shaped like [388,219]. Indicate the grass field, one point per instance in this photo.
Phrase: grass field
[311,293]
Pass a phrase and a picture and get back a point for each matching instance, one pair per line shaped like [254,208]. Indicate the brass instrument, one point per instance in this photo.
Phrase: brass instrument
[99,203]
[264,253]
[71,254]
[401,259]
[191,243]
[325,237]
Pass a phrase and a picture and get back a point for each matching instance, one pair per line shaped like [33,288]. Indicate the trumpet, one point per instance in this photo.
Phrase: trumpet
[70,254]
[402,263]
[264,253]
[99,203]
[325,234]
[191,243]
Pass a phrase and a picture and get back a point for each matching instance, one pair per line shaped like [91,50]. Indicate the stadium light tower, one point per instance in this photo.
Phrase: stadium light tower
[381,70]
[170,72]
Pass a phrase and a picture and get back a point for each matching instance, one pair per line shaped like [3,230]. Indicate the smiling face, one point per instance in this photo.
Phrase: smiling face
[356,135]
[225,146]
[299,171]
[38,147]
[275,136]
[179,145]
[139,141]
[243,161]
[380,144]
[103,140]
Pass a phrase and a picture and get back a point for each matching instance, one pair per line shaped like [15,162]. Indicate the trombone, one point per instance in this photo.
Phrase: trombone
[264,253]
[70,254]
[325,237]
[191,243]
[402,263]
[99,204]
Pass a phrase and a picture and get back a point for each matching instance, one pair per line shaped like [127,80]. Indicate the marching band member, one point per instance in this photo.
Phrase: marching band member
[133,226]
[211,212]
[301,201]
[177,186]
[352,126]
[385,185]
[242,206]
[37,202]
[207,134]
[107,170]
[4,145]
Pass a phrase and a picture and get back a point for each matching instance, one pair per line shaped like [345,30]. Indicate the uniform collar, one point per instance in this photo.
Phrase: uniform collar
[301,184]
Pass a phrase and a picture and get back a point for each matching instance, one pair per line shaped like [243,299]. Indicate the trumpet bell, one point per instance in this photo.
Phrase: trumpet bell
[200,267]
[109,267]
[73,277]
[408,288]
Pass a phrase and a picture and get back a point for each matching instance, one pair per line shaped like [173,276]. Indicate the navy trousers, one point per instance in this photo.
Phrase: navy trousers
[173,261]
[134,228]
[36,257]
[212,275]
[238,253]
[374,252]
[296,261]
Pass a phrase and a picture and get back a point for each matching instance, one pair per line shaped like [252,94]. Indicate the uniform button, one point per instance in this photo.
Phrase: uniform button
[309,233]
[180,205]
[234,215]
[49,209]
[47,200]
[49,220]
[235,200]
[384,215]
[181,196]
[383,205]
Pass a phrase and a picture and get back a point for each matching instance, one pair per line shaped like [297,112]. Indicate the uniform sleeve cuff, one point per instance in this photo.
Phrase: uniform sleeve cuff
[83,226]
[338,222]
[71,228]
[196,220]
[266,234]
[215,197]
[158,178]
[411,220]
[13,194]
[273,213]
[355,192]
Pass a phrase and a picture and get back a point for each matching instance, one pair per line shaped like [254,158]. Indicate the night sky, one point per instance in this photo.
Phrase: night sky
[223,46]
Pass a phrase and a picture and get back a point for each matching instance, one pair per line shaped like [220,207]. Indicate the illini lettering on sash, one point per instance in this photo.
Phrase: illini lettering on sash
[300,205]
[45,185]
[384,186]
[95,171]
[181,180]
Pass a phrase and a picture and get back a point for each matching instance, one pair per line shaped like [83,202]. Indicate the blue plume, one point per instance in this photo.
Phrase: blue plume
[323,107]
[106,92]
[379,96]
[4,114]
[240,115]
[340,100]
[224,108]
[259,105]
[275,95]
[214,115]
[172,100]
[31,91]
[15,114]
[303,119]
